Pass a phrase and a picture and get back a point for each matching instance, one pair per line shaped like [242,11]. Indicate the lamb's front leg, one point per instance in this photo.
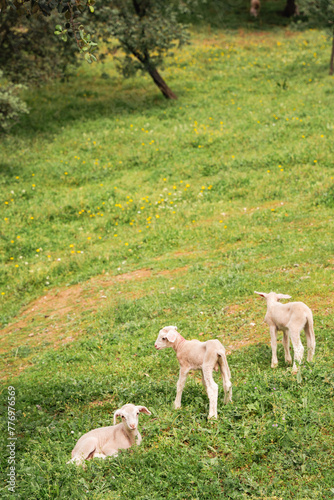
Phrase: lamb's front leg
[180,385]
[273,337]
[108,451]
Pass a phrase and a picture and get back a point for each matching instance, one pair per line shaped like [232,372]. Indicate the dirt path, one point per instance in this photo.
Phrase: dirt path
[55,318]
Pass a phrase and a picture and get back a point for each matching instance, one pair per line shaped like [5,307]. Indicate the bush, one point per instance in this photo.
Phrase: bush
[11,105]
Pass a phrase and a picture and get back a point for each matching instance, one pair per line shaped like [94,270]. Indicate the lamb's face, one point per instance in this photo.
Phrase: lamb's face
[129,414]
[166,337]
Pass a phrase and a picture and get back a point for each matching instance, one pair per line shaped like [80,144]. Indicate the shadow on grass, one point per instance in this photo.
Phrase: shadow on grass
[60,104]
[7,168]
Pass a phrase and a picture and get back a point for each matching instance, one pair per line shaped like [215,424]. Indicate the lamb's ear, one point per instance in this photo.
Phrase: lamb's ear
[143,409]
[262,294]
[118,413]
[171,336]
[283,296]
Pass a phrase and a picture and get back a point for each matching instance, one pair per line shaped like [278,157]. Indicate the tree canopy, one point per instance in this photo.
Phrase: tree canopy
[29,51]
[146,30]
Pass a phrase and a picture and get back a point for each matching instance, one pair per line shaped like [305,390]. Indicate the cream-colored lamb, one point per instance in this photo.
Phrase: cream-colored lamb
[255,7]
[106,441]
[196,355]
[291,319]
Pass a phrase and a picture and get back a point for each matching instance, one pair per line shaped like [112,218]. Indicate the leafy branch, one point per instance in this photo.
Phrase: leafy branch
[71,10]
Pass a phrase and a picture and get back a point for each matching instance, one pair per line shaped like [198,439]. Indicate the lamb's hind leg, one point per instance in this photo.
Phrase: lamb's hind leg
[298,348]
[310,339]
[226,376]
[286,345]
[108,451]
[212,391]
[83,451]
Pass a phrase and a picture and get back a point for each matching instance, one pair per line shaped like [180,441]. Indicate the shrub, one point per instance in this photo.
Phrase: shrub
[11,105]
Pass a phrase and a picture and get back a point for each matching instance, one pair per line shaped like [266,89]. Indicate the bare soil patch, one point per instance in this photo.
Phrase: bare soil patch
[172,272]
[76,298]
[55,319]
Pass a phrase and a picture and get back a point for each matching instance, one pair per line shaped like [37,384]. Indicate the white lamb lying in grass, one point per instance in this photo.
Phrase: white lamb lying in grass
[196,355]
[291,319]
[105,441]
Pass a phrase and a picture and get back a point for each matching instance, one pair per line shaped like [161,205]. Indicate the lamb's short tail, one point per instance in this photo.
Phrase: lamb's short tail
[226,376]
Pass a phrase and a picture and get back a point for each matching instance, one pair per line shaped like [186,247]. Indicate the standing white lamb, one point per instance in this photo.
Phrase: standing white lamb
[105,441]
[291,319]
[196,355]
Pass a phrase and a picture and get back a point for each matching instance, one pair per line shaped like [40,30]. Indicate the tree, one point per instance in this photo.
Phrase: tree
[291,9]
[321,13]
[146,30]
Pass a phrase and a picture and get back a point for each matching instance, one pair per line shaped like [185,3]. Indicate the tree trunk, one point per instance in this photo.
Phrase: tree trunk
[160,83]
[331,66]
[290,9]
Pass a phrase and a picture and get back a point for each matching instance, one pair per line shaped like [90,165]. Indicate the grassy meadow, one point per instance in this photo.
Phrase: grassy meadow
[122,213]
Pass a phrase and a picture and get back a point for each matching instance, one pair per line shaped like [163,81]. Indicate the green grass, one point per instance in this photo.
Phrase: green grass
[226,191]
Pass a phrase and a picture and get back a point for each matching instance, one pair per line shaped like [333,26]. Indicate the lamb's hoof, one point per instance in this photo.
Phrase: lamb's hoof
[294,371]
[177,407]
[76,462]
[274,365]
[212,416]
